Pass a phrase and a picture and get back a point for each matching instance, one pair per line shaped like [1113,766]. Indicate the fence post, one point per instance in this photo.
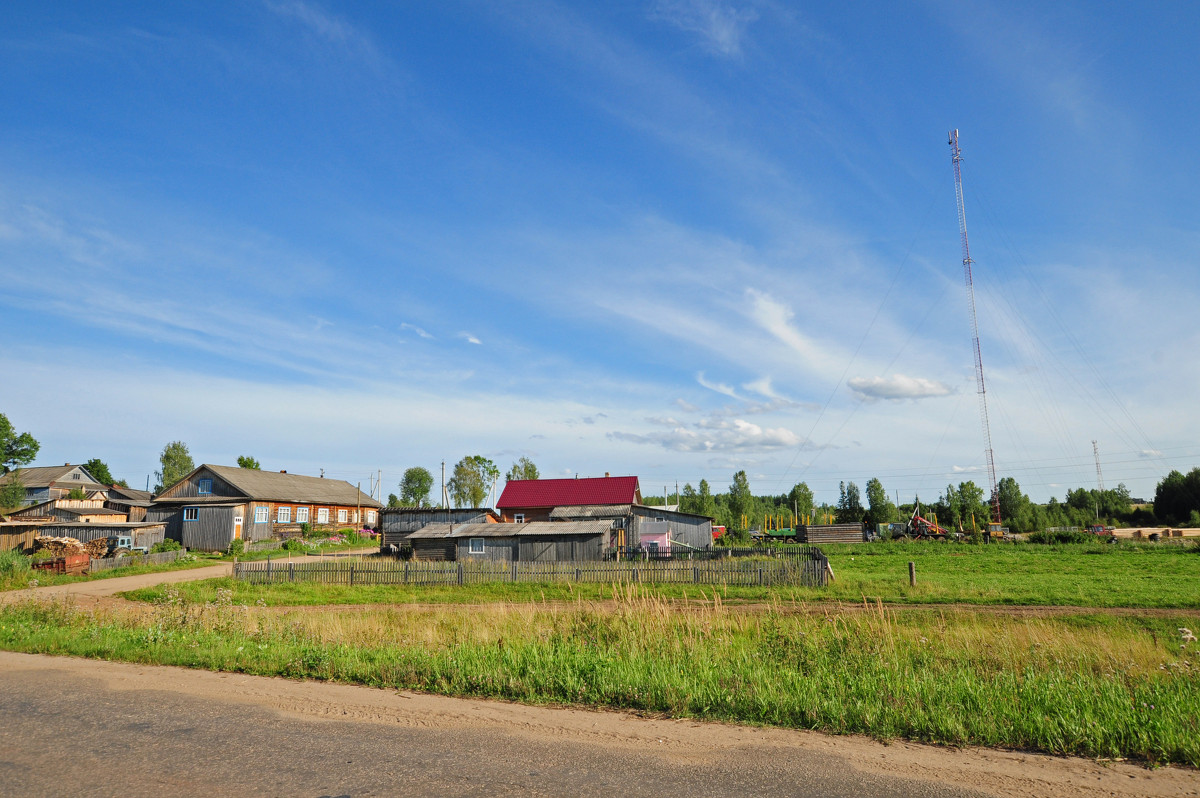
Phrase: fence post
[514,571]
[912,574]
[460,573]
[635,574]
[351,574]
[291,571]
[577,573]
[760,576]
[695,575]
[406,572]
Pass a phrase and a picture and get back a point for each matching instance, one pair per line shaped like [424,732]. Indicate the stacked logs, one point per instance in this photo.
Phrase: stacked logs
[59,547]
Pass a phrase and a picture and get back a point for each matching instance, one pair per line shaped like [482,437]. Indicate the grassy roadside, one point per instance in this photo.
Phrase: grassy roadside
[1091,685]
[21,579]
[1074,575]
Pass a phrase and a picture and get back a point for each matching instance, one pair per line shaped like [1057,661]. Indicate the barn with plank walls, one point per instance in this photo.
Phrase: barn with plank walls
[215,505]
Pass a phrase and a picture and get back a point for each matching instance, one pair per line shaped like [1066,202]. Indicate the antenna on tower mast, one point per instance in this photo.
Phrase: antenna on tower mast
[956,157]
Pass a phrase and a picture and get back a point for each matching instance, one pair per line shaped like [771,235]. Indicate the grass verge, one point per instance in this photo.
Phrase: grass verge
[1126,575]
[21,579]
[1096,686]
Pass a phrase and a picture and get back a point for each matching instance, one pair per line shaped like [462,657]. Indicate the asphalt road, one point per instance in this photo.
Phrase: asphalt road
[63,732]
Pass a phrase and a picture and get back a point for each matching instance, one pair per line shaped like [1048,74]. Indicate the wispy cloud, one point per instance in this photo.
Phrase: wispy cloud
[721,28]
[420,332]
[326,26]
[719,387]
[898,387]
[469,338]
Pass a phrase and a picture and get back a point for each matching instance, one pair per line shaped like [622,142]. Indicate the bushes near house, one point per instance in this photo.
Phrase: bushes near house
[166,545]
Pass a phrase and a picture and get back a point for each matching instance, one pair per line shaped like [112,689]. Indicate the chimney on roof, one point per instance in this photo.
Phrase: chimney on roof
[606,475]
[281,471]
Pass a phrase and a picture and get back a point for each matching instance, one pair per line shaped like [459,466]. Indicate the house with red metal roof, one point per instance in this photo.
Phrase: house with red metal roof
[533,499]
[607,498]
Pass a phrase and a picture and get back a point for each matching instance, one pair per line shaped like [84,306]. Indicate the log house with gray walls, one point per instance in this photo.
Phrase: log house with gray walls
[215,505]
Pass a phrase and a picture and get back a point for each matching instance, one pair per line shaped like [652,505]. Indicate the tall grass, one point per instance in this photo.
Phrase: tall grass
[1090,685]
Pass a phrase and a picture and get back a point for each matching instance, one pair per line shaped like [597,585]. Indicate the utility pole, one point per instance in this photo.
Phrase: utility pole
[445,495]
[1099,473]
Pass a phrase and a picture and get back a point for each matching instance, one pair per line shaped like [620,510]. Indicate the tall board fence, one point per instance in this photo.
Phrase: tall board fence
[809,571]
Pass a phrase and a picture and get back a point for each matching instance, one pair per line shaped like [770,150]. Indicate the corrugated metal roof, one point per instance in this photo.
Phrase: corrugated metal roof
[590,511]
[531,529]
[558,492]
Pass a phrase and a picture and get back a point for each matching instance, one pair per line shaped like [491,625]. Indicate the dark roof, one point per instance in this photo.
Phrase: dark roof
[277,486]
[127,495]
[520,493]
[570,513]
[430,510]
[42,476]
[531,529]
[89,511]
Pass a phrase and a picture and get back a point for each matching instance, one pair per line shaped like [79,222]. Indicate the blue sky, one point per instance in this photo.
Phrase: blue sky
[672,238]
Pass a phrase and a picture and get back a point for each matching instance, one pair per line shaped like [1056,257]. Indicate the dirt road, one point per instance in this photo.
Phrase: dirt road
[70,726]
[91,591]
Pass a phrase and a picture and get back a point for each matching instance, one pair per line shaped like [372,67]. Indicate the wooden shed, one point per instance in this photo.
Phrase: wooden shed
[397,523]
[432,543]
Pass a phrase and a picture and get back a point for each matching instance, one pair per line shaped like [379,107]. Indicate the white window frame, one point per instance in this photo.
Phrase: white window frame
[262,514]
[343,516]
[193,511]
[475,546]
[301,515]
[204,487]
[370,516]
[283,514]
[518,518]
[322,515]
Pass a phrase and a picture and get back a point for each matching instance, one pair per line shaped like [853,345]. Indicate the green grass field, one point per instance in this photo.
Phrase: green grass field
[1096,575]
[1092,685]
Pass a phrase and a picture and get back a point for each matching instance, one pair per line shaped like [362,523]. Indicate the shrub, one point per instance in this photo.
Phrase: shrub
[237,547]
[12,563]
[293,544]
[1061,536]
[166,545]
[306,530]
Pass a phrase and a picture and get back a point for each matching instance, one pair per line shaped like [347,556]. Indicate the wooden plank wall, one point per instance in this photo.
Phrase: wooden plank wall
[21,540]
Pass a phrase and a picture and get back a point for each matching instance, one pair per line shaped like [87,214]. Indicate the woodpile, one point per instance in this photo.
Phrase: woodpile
[59,547]
[97,547]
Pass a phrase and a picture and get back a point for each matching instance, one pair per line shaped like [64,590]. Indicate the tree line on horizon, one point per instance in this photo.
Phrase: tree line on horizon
[1176,496]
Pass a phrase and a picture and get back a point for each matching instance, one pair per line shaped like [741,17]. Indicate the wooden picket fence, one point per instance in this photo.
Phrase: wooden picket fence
[97,564]
[810,571]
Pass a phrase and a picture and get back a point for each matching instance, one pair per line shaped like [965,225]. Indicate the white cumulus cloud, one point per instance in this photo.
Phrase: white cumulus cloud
[898,387]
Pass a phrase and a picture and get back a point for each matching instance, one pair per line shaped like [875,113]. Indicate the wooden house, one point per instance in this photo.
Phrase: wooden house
[215,505]
[615,499]
[526,500]
[45,483]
